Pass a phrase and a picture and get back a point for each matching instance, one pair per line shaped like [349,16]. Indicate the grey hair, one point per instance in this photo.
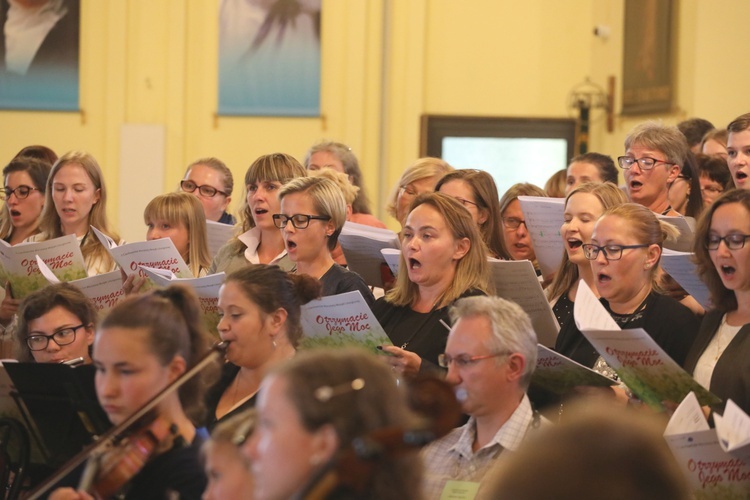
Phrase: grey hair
[511,327]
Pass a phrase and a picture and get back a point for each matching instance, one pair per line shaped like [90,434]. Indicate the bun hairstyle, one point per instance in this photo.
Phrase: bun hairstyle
[172,320]
[271,288]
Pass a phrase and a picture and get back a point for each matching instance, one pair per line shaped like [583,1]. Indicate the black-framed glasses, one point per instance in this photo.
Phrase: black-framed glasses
[712,190]
[464,360]
[21,192]
[205,190]
[299,221]
[611,252]
[732,241]
[646,163]
[513,222]
[63,336]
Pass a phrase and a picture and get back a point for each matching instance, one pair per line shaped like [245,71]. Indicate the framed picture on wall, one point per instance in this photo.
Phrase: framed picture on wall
[39,47]
[269,57]
[647,57]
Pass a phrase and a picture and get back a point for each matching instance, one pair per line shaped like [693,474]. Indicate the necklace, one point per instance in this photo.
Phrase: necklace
[624,319]
[428,315]
[667,210]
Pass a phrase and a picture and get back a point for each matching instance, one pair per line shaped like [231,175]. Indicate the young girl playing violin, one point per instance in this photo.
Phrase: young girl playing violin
[144,344]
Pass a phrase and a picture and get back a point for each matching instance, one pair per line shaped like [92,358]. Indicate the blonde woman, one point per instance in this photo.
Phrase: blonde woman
[418,178]
[179,216]
[76,199]
[350,194]
[583,207]
[312,214]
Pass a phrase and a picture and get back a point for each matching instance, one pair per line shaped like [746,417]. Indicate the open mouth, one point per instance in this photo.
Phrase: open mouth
[741,175]
[728,270]
[635,184]
[574,243]
[290,245]
[603,278]
[260,211]
[414,264]
[15,213]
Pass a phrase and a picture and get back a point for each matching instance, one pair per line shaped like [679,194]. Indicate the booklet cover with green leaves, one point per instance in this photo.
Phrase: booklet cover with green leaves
[104,290]
[339,321]
[157,254]
[559,374]
[639,361]
[207,288]
[711,472]
[19,265]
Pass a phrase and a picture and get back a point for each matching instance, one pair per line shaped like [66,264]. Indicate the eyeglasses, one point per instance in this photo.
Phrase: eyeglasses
[611,252]
[465,202]
[21,192]
[513,222]
[712,190]
[299,221]
[646,163]
[204,190]
[732,241]
[463,360]
[409,190]
[64,336]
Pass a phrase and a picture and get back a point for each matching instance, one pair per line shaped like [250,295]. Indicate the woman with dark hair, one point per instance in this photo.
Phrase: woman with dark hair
[590,167]
[312,408]
[260,318]
[24,194]
[146,342]
[684,192]
[720,357]
[55,324]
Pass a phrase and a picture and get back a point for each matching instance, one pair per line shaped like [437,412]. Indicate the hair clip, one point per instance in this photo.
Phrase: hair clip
[326,392]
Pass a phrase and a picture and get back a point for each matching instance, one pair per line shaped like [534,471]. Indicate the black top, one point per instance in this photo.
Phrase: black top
[673,326]
[228,373]
[341,280]
[563,309]
[422,333]
[177,471]
[227,218]
[731,375]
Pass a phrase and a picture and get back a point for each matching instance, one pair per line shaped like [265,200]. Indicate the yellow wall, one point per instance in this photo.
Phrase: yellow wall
[154,62]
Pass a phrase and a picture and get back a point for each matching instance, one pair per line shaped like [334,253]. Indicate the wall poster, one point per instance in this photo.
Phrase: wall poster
[269,57]
[39,47]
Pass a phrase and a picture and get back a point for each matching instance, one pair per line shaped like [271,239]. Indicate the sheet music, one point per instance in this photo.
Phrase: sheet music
[218,235]
[685,225]
[680,266]
[589,313]
[544,216]
[516,280]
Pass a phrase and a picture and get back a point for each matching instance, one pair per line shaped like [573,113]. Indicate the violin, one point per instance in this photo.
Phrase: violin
[121,452]
[352,468]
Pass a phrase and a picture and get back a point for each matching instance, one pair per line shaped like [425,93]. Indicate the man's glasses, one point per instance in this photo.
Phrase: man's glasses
[611,252]
[21,192]
[464,360]
[299,221]
[513,222]
[646,163]
[732,241]
[64,336]
[204,190]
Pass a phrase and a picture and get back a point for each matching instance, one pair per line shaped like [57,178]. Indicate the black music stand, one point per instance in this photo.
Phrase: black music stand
[59,405]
